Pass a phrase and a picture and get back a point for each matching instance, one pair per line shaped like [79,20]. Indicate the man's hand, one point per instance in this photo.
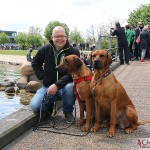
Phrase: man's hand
[52,89]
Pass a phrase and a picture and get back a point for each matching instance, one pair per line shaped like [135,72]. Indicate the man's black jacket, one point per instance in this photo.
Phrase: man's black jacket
[45,61]
[120,33]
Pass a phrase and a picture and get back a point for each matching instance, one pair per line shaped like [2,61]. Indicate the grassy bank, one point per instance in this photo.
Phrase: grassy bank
[16,52]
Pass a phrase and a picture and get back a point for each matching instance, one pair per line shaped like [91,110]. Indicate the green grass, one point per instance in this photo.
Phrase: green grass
[16,52]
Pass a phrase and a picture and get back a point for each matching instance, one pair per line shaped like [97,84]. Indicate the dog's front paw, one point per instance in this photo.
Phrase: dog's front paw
[95,128]
[79,123]
[86,128]
[111,133]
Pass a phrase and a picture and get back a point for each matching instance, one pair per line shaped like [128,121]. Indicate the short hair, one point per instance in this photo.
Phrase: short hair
[146,27]
[139,23]
[127,26]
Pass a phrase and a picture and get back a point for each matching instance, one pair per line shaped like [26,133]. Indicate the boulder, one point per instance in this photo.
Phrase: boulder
[33,86]
[26,69]
[10,89]
[33,77]
[11,81]
[5,84]
[22,82]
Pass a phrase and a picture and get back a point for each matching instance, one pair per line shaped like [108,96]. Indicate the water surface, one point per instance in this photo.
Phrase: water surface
[9,104]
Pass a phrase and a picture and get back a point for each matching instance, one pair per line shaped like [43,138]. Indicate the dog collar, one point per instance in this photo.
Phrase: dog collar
[105,74]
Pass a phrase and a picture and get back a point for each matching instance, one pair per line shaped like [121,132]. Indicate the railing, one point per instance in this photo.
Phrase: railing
[109,48]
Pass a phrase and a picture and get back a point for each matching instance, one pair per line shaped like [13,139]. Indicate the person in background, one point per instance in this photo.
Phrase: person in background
[137,51]
[132,39]
[55,85]
[144,41]
[147,55]
[129,35]
[122,43]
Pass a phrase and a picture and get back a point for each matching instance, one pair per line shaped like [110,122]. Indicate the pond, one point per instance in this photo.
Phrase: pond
[9,103]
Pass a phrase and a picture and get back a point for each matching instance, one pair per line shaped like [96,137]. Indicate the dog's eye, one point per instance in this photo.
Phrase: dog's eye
[66,61]
[101,55]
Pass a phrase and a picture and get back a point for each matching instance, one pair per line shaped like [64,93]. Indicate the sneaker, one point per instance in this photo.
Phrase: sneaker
[142,60]
[69,117]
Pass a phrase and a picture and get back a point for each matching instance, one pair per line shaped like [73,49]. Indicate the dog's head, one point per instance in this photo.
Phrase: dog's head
[100,59]
[70,64]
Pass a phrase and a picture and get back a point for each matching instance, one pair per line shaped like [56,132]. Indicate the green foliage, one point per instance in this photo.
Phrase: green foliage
[4,38]
[75,37]
[51,26]
[21,39]
[33,38]
[141,14]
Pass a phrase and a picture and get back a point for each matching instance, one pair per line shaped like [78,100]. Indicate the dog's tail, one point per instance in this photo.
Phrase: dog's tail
[143,122]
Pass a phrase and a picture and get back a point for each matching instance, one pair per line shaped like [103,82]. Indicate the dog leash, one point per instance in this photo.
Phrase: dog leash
[40,126]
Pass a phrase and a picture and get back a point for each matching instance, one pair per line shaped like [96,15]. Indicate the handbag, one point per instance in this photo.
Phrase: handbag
[138,40]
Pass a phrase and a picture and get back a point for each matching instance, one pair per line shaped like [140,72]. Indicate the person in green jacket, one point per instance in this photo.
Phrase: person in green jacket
[129,35]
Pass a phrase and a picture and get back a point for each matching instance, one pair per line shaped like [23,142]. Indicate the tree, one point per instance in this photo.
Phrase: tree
[91,33]
[75,37]
[21,39]
[51,26]
[35,30]
[34,40]
[141,14]
[4,38]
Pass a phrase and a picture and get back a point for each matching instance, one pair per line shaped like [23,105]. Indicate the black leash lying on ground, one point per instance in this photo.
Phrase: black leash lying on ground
[40,126]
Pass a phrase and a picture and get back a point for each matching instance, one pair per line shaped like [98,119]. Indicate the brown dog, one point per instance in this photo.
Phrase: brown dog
[82,76]
[111,100]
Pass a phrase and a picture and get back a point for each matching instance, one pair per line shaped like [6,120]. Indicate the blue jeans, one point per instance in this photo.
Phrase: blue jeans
[65,94]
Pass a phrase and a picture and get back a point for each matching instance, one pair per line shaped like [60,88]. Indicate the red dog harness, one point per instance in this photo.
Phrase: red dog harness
[76,81]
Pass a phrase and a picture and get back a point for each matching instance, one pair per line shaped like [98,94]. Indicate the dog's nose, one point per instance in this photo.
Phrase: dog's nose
[97,64]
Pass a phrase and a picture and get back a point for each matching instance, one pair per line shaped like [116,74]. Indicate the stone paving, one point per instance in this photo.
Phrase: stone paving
[136,80]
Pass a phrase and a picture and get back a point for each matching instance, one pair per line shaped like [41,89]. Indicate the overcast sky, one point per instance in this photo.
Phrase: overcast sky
[19,15]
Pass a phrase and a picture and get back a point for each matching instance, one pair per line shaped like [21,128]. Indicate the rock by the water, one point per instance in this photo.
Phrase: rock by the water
[10,89]
[33,86]
[22,82]
[26,69]
[5,84]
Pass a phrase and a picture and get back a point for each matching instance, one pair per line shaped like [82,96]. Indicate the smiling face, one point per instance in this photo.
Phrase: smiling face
[59,37]
[101,59]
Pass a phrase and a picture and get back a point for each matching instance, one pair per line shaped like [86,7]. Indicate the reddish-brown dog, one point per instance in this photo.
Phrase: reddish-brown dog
[82,76]
[111,100]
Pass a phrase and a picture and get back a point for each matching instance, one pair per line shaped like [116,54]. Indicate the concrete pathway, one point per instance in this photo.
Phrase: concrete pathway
[136,80]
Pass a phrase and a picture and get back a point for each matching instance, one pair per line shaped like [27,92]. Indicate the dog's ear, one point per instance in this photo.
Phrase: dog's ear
[78,62]
[109,60]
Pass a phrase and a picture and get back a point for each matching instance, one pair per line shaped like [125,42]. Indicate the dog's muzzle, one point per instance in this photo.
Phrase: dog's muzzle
[60,69]
[97,64]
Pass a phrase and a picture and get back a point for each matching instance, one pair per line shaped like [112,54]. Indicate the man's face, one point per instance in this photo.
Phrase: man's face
[59,38]
[140,24]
